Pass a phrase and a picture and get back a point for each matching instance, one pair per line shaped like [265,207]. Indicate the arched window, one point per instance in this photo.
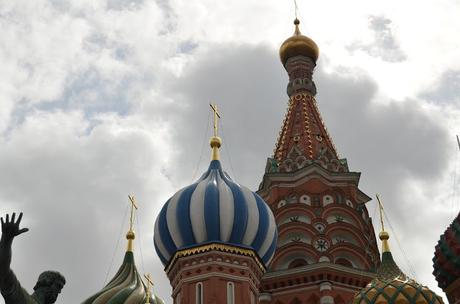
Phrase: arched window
[339,300]
[296,301]
[230,293]
[199,293]
[297,263]
[344,262]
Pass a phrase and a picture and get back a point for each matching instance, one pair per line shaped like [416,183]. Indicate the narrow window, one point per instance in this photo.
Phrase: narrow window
[199,293]
[178,298]
[253,298]
[230,293]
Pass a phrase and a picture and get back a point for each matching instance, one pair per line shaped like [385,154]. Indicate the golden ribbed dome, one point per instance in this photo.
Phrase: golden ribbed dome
[298,45]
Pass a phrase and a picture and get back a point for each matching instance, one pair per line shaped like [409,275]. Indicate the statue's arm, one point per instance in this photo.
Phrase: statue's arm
[10,229]
[5,262]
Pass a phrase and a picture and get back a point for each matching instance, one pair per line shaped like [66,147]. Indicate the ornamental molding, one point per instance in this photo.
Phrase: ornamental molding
[294,179]
[323,266]
[215,247]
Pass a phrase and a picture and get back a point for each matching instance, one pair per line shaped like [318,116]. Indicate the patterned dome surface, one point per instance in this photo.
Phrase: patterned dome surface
[215,209]
[126,287]
[446,260]
[392,286]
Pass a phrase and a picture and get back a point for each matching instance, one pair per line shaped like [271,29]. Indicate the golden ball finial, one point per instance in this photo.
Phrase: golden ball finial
[215,142]
[384,236]
[298,45]
[130,235]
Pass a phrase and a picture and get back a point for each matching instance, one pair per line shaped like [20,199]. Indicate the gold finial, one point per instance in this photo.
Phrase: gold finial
[383,235]
[296,20]
[131,235]
[297,30]
[150,284]
[215,141]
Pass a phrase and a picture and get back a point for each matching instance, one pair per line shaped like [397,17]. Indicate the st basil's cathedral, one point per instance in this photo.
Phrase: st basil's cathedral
[304,237]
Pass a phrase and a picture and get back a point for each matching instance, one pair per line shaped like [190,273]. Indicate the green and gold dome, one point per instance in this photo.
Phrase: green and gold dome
[127,286]
[392,286]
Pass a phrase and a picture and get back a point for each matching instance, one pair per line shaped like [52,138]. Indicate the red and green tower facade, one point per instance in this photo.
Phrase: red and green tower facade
[446,262]
[326,248]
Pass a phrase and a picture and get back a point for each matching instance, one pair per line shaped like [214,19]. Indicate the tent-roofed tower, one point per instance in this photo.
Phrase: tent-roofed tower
[326,248]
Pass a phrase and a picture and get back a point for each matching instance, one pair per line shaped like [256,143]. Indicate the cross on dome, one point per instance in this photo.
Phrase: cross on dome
[131,235]
[150,284]
[215,141]
[383,235]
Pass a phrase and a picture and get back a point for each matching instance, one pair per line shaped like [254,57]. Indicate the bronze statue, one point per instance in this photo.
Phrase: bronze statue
[49,283]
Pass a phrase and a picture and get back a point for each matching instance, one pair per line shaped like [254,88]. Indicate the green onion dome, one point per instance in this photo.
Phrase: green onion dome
[126,287]
[391,285]
[446,260]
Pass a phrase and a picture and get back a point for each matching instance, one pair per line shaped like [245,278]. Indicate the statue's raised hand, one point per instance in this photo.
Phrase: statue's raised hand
[10,228]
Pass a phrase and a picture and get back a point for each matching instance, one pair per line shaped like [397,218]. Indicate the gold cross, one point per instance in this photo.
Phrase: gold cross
[216,116]
[381,211]
[133,206]
[149,285]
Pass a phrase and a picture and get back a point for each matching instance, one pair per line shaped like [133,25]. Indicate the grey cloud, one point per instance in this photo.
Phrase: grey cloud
[385,45]
[72,188]
[93,93]
[383,137]
[248,85]
[87,91]
[394,136]
[124,4]
[187,47]
[446,89]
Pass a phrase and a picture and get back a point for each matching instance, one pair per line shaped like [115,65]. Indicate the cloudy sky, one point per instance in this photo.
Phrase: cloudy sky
[103,98]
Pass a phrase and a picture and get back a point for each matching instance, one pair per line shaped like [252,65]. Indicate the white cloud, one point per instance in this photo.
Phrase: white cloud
[104,98]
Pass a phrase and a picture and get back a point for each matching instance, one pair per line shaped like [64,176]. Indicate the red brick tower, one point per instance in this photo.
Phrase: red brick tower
[326,247]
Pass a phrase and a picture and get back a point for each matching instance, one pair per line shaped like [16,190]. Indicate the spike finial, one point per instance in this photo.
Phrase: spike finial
[131,235]
[383,235]
[215,141]
[297,29]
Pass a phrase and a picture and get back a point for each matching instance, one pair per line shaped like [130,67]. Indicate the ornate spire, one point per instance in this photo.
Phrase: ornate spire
[303,138]
[215,141]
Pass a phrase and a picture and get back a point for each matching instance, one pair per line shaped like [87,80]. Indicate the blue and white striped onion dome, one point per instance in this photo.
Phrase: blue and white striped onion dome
[215,209]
